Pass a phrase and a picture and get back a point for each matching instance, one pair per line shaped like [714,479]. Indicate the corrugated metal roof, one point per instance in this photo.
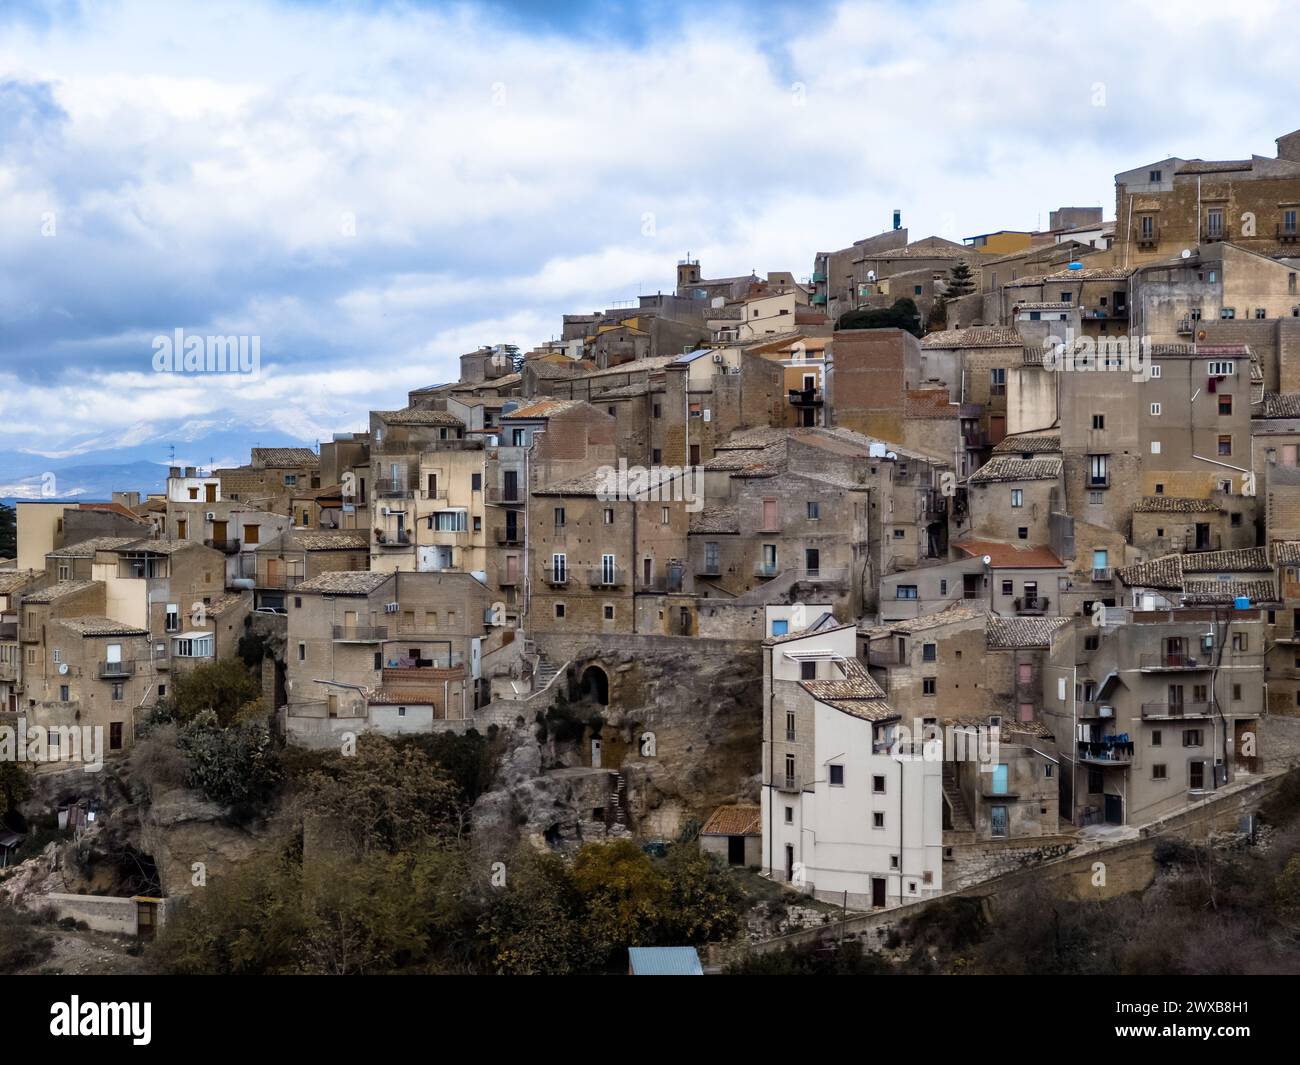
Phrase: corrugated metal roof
[664,961]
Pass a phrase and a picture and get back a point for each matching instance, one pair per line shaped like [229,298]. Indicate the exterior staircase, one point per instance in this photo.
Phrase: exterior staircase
[961,819]
[619,798]
[544,673]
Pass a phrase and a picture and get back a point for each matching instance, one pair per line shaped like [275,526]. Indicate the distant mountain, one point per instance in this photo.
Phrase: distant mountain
[93,467]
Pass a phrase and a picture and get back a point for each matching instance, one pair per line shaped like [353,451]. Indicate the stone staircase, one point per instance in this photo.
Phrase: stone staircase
[618,799]
[961,819]
[545,672]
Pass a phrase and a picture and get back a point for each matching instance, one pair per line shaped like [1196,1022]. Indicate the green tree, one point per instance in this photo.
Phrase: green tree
[535,923]
[625,895]
[704,903]
[960,281]
[938,318]
[902,315]
[15,784]
[235,766]
[226,687]
[387,796]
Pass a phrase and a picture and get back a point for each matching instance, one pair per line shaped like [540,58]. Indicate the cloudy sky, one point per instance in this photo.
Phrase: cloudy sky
[374,188]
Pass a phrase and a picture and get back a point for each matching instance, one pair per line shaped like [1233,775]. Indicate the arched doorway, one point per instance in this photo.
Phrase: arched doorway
[594,685]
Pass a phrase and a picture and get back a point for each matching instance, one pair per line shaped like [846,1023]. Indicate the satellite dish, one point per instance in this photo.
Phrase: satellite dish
[988,559]
[1187,253]
[63,668]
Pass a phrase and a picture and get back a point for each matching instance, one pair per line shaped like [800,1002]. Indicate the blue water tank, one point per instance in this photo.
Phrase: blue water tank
[1242,602]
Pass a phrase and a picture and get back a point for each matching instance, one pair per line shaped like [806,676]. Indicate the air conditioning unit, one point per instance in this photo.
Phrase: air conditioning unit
[211,515]
[717,356]
[385,511]
[735,369]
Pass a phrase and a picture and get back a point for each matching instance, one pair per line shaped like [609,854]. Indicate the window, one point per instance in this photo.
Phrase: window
[1096,498]
[1225,405]
[814,510]
[878,784]
[658,411]
[789,815]
[1261,312]
[807,670]
[998,381]
[656,456]
[1191,737]
[609,611]
[1159,771]
[1098,471]
[1147,223]
[1155,410]
[877,819]
[609,516]
[1008,588]
[836,776]
[899,534]
[1023,532]
[559,517]
[665,516]
[929,652]
[1099,421]
[115,736]
[119,690]
[998,820]
[559,610]
[1214,222]
[64,693]
[1239,641]
[943,587]
[1048,770]
[999,783]
[1154,177]
[302,652]
[1156,737]
[1156,371]
[1017,497]
[905,591]
[1288,220]
[1225,444]
[559,568]
[476,482]
[192,647]
[927,685]
[1155,447]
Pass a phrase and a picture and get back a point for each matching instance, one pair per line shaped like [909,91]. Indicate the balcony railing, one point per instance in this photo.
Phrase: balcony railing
[108,670]
[1107,312]
[1098,482]
[496,494]
[785,782]
[393,539]
[1031,604]
[824,574]
[709,568]
[1193,543]
[661,582]
[387,488]
[1106,753]
[279,580]
[1186,326]
[1166,660]
[360,633]
[1287,234]
[806,397]
[509,536]
[765,569]
[227,546]
[607,577]
[1148,239]
[1095,708]
[557,576]
[1175,711]
[1102,573]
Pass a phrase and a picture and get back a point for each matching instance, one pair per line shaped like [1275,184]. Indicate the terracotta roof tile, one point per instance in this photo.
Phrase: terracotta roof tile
[734,821]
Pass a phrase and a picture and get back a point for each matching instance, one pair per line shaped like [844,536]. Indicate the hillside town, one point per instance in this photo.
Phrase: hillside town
[878,577]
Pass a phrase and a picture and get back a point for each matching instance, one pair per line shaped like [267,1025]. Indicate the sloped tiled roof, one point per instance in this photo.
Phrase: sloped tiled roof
[344,582]
[734,821]
[1226,591]
[87,548]
[98,626]
[1285,553]
[1009,556]
[979,336]
[58,591]
[1028,443]
[546,407]
[925,622]
[1278,405]
[1165,572]
[13,579]
[1006,633]
[716,518]
[1011,468]
[817,628]
[285,457]
[418,416]
[344,540]
[1175,505]
[1241,560]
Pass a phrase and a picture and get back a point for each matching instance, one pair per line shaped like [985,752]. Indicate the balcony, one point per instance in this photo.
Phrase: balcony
[1187,326]
[806,397]
[226,546]
[29,634]
[1095,708]
[556,576]
[1097,482]
[506,496]
[784,782]
[975,439]
[387,488]
[280,580]
[360,633]
[510,537]
[1149,238]
[607,577]
[1166,661]
[766,569]
[401,538]
[1286,234]
[508,580]
[1204,542]
[8,630]
[1031,604]
[113,670]
[1106,313]
[1175,711]
[824,574]
[1106,752]
[8,671]
[1102,575]
[709,568]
